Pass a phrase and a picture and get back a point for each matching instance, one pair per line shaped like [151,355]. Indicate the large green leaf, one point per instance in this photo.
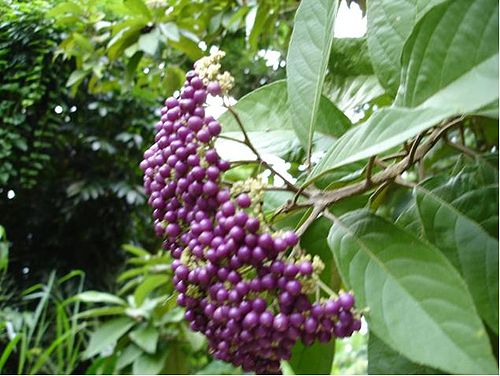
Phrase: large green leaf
[350,92]
[314,242]
[307,60]
[443,214]
[266,117]
[389,25]
[266,109]
[382,360]
[312,360]
[458,42]
[460,90]
[106,335]
[418,303]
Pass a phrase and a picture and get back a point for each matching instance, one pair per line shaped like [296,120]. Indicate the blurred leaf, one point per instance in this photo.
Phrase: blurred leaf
[312,360]
[106,335]
[149,284]
[149,42]
[195,339]
[170,30]
[148,364]
[102,311]
[128,356]
[137,251]
[99,297]
[8,350]
[76,77]
[146,337]
[138,7]
[187,46]
[218,367]
[64,8]
[132,65]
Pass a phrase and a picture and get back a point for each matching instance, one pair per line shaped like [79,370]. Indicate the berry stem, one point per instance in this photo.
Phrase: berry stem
[248,143]
[325,288]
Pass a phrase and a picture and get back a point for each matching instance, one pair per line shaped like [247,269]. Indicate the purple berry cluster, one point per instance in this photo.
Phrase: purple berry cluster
[230,270]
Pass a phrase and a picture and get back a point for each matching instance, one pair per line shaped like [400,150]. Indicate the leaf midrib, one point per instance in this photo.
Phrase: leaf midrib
[385,269]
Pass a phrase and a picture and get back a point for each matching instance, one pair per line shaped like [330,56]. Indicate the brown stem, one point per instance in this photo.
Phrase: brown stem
[310,219]
[369,168]
[248,143]
[391,172]
[464,149]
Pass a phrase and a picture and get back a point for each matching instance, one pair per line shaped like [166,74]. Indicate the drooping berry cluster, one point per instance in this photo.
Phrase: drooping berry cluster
[232,273]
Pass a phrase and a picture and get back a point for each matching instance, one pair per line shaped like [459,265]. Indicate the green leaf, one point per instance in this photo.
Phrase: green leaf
[314,241]
[99,297]
[195,339]
[106,335]
[127,356]
[458,42]
[280,143]
[137,251]
[132,65]
[255,21]
[266,110]
[138,7]
[312,360]
[148,364]
[170,30]
[418,302]
[149,284]
[146,337]
[348,93]
[174,79]
[188,47]
[389,25]
[463,88]
[149,42]
[8,350]
[382,360]
[307,60]
[76,77]
[65,8]
[128,33]
[218,367]
[102,311]
[463,241]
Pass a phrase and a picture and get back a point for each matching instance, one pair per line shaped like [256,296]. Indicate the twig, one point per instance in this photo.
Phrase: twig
[369,168]
[248,143]
[391,172]
[310,219]
[413,149]
[421,170]
[464,149]
[401,154]
[231,139]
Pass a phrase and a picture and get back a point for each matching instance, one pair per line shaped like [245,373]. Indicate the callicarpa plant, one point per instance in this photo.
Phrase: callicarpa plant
[248,288]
